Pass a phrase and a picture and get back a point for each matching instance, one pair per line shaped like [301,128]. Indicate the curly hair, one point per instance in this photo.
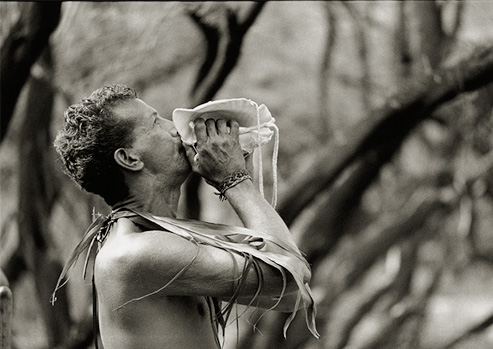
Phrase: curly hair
[90,136]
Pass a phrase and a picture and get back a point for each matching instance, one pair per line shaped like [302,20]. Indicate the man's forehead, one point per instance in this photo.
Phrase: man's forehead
[133,108]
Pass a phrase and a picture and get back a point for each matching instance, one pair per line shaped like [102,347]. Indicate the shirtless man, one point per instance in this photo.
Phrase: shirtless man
[115,145]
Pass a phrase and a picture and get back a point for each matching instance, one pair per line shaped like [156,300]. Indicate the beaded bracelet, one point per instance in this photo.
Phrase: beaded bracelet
[230,181]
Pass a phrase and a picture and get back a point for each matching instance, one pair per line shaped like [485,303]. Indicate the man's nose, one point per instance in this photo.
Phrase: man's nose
[174,131]
[171,127]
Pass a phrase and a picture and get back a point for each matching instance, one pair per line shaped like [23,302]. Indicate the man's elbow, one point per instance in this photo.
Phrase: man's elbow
[307,275]
[305,272]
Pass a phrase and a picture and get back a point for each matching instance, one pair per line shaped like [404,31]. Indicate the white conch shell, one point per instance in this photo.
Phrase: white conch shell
[256,128]
[255,121]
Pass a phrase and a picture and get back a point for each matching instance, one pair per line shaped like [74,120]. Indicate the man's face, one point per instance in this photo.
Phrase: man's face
[156,141]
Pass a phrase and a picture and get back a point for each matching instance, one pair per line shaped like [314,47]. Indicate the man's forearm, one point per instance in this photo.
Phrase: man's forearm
[256,213]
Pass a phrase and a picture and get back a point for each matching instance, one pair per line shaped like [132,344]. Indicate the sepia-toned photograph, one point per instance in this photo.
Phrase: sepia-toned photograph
[246,174]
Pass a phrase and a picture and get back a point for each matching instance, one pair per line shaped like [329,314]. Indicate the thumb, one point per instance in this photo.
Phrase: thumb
[191,156]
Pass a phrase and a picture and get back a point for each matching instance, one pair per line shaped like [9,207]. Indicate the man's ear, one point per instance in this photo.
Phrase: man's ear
[128,160]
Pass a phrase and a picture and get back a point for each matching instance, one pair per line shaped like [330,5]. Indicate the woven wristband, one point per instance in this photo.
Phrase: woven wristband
[229,182]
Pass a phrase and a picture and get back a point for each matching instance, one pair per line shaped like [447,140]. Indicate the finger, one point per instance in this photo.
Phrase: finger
[234,129]
[191,156]
[210,125]
[200,130]
[222,126]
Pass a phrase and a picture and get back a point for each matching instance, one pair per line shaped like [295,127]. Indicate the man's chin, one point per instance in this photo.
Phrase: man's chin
[182,154]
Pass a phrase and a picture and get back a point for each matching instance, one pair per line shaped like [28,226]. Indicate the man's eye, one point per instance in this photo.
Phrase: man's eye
[156,122]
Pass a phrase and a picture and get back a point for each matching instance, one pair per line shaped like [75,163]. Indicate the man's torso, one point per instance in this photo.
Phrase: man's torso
[154,321]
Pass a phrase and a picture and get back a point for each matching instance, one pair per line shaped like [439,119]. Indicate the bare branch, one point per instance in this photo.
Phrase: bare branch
[37,194]
[336,273]
[365,307]
[390,124]
[335,208]
[409,308]
[224,33]
[369,247]
[5,317]
[359,24]
[471,331]
[20,50]
[458,18]
[325,130]
[224,37]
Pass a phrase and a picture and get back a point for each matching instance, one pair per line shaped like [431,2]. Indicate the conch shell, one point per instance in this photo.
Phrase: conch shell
[256,128]
[256,122]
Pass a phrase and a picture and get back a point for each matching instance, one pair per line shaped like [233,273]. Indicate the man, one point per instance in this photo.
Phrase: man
[158,280]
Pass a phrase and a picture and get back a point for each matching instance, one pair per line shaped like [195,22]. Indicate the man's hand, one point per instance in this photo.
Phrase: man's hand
[218,149]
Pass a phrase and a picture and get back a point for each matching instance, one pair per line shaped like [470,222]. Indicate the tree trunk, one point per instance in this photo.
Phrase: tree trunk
[37,192]
[5,316]
[21,49]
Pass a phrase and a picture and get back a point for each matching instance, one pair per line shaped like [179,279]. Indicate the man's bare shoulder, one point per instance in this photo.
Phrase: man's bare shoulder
[129,248]
[124,238]
[113,248]
[130,253]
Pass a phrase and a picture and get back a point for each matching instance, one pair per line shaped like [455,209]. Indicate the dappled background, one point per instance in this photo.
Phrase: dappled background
[385,168]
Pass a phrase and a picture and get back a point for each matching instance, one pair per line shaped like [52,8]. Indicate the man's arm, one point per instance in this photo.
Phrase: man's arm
[256,213]
[218,156]
[147,262]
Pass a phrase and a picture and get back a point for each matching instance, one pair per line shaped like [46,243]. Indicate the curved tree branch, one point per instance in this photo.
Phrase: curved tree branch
[224,34]
[224,38]
[473,330]
[390,124]
[336,273]
[21,49]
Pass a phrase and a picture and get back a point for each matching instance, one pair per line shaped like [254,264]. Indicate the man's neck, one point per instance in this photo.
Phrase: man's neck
[158,200]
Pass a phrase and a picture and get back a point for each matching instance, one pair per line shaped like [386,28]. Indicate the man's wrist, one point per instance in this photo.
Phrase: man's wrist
[230,181]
